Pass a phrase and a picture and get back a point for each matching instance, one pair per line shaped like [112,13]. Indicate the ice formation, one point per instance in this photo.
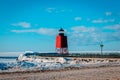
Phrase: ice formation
[51,63]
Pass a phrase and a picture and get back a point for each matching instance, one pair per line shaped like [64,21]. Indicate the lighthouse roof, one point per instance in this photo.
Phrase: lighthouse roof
[61,29]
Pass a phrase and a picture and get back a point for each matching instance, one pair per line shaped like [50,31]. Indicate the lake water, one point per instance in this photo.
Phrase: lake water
[7,59]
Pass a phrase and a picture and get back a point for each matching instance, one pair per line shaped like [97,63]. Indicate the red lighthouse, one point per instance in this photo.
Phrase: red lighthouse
[61,43]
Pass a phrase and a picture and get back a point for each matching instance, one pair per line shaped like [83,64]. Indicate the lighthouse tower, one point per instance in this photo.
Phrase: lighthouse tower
[61,43]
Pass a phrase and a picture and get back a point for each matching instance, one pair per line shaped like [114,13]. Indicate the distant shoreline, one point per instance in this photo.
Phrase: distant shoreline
[8,57]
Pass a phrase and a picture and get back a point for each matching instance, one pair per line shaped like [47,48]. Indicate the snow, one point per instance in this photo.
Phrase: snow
[50,63]
[39,64]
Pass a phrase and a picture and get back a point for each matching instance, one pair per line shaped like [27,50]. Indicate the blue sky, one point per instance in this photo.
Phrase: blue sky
[33,24]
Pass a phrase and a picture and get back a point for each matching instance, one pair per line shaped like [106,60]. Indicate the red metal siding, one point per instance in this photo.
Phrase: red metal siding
[64,42]
[58,41]
[61,41]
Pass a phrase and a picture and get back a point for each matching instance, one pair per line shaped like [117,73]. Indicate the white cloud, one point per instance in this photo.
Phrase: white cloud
[44,31]
[108,13]
[82,35]
[82,29]
[99,21]
[113,34]
[47,31]
[77,18]
[23,31]
[103,20]
[22,24]
[111,20]
[56,10]
[50,10]
[113,27]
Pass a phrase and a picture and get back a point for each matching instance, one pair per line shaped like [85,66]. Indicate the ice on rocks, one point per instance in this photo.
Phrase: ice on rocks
[50,63]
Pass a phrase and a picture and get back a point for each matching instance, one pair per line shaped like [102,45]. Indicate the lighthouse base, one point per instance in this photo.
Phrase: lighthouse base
[62,50]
